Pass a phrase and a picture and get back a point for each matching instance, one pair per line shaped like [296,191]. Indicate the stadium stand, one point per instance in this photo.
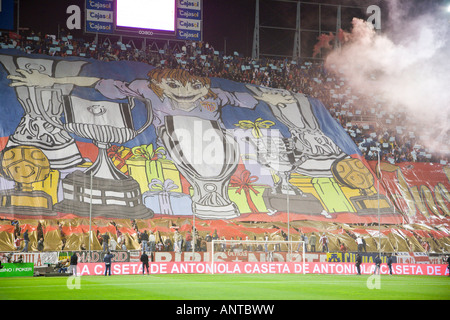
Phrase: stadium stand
[367,121]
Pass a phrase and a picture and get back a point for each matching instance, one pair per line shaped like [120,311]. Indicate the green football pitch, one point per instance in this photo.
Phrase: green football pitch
[237,287]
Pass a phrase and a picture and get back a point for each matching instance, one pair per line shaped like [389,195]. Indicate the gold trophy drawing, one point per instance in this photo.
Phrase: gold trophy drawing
[25,165]
[353,174]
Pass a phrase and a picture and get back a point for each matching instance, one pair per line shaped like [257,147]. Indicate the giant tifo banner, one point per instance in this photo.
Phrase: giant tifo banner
[84,138]
[135,141]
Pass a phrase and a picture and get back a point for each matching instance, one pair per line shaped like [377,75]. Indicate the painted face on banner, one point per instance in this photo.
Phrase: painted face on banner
[184,94]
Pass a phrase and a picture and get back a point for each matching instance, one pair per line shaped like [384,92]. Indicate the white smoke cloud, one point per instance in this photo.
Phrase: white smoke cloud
[407,65]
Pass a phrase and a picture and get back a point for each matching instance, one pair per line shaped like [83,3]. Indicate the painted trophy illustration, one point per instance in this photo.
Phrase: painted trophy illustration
[314,152]
[307,151]
[277,153]
[33,129]
[353,174]
[113,194]
[26,166]
[207,158]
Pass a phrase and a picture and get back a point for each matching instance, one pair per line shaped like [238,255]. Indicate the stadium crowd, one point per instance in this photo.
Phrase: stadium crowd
[366,119]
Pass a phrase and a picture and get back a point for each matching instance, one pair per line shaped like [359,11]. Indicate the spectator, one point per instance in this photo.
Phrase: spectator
[167,244]
[112,244]
[324,241]
[40,245]
[17,242]
[26,240]
[359,243]
[152,241]
[144,240]
[105,241]
[312,242]
[63,266]
[188,241]
[203,244]
[178,241]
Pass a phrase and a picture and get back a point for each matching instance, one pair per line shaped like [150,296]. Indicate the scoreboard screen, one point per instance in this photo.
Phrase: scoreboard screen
[145,16]
[164,19]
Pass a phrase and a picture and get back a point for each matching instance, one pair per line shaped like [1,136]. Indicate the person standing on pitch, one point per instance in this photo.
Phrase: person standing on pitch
[108,263]
[377,265]
[358,263]
[389,263]
[448,265]
[144,260]
[73,264]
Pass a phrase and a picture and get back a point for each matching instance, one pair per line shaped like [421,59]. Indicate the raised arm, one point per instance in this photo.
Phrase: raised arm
[36,79]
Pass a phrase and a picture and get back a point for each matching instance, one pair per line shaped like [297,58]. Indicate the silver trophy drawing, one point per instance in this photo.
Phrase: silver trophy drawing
[113,194]
[207,158]
[34,130]
[277,153]
[313,151]
[307,151]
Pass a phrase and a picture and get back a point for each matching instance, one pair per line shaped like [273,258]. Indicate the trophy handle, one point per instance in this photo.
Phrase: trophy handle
[148,106]
[57,94]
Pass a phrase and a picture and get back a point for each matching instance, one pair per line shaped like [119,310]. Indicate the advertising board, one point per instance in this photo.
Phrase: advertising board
[99,16]
[16,270]
[127,268]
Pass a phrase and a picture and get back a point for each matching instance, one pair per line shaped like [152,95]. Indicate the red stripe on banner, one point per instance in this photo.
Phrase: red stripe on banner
[7,228]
